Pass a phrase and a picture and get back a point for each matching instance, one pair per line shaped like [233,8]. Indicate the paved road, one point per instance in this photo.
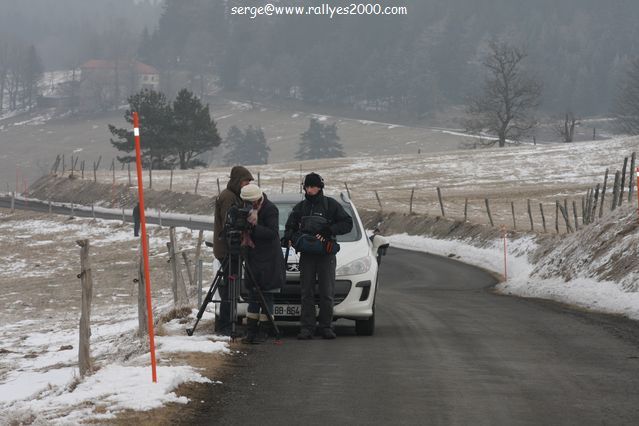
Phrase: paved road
[447,351]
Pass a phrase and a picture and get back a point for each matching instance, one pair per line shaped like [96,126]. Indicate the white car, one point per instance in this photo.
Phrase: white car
[356,280]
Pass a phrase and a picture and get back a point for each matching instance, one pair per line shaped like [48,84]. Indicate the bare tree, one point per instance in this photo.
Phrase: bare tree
[566,129]
[505,106]
[627,103]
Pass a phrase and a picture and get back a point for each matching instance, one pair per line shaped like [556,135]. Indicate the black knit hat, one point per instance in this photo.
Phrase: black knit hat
[313,179]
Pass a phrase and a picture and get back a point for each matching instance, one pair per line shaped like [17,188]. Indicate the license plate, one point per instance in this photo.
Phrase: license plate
[287,310]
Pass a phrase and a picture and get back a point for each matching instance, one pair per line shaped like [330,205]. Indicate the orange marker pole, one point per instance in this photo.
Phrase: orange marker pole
[145,248]
[637,189]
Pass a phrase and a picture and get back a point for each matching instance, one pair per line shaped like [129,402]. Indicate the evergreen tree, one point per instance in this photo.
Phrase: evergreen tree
[33,71]
[319,141]
[627,103]
[194,130]
[248,147]
[156,130]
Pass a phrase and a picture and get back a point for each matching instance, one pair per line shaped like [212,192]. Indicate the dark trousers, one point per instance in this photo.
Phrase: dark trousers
[254,305]
[136,228]
[321,269]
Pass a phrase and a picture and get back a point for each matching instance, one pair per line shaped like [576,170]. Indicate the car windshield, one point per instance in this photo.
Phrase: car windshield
[354,235]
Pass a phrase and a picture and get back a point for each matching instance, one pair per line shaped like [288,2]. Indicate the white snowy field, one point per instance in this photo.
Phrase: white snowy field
[541,173]
[40,311]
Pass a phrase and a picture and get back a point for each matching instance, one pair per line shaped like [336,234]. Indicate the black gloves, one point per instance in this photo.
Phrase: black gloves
[326,232]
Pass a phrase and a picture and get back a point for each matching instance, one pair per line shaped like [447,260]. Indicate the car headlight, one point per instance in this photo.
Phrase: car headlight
[356,267]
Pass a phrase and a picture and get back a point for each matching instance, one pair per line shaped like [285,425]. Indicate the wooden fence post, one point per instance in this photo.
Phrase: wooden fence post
[623,181]
[188,268]
[82,167]
[143,324]
[64,165]
[603,194]
[197,182]
[378,201]
[564,213]
[84,350]
[113,169]
[412,195]
[543,217]
[198,247]
[465,210]
[532,226]
[512,207]
[615,192]
[347,190]
[179,290]
[129,171]
[583,211]
[171,180]
[557,216]
[441,203]
[200,266]
[259,180]
[150,175]
[594,204]
[282,186]
[574,210]
[218,186]
[490,216]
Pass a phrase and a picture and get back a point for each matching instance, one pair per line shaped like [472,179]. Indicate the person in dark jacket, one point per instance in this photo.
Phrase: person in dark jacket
[136,220]
[264,260]
[229,197]
[320,267]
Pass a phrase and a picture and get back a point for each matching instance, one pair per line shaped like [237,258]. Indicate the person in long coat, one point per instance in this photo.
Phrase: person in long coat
[265,260]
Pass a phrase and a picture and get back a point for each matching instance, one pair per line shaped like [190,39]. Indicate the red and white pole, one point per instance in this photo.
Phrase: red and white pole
[637,173]
[145,248]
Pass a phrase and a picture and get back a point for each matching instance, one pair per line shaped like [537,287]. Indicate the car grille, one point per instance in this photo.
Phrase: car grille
[290,293]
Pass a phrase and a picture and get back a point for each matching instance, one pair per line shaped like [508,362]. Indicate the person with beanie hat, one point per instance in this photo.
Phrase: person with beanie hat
[229,197]
[264,259]
[317,267]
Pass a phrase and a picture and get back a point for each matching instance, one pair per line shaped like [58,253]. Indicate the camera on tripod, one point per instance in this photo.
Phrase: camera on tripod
[236,223]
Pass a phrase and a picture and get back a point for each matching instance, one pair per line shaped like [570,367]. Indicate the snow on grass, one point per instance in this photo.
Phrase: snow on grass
[38,356]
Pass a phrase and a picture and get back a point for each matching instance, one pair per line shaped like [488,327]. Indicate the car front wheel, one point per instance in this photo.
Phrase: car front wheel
[365,327]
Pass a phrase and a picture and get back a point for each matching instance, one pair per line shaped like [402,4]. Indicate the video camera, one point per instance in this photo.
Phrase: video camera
[236,223]
[237,218]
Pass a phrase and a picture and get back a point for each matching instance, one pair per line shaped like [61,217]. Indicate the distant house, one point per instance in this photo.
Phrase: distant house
[106,84]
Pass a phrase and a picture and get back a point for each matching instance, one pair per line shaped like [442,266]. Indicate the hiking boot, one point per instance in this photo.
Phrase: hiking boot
[328,333]
[305,334]
[252,333]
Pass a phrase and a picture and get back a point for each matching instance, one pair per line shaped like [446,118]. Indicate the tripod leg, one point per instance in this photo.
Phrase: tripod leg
[235,279]
[209,295]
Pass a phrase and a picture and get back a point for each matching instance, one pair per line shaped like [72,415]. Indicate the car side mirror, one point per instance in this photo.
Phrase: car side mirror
[380,245]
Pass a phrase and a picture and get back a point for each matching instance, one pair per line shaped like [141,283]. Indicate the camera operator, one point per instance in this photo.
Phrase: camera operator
[264,260]
[329,219]
[240,177]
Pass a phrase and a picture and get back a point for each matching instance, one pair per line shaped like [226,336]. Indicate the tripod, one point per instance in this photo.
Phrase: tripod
[233,266]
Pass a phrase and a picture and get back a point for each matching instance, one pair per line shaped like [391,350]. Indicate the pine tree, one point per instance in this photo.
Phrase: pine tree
[155,129]
[194,130]
[319,141]
[248,147]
